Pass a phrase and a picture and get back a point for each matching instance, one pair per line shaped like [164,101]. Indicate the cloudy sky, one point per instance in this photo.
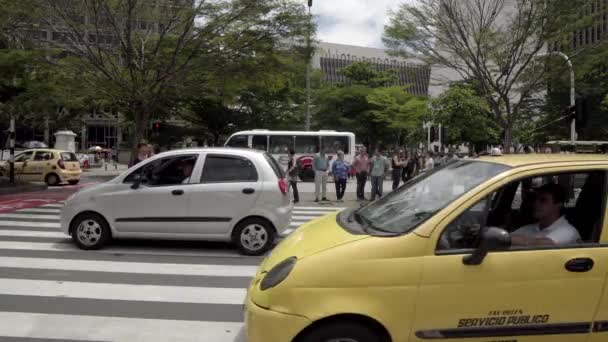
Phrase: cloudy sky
[354,22]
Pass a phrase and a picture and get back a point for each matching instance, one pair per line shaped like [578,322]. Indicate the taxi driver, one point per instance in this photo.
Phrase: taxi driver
[187,167]
[552,228]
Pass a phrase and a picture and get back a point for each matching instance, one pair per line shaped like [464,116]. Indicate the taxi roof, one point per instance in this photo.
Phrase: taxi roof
[518,160]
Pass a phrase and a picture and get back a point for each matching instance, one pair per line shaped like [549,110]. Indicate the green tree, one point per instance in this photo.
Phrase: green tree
[466,116]
[491,41]
[397,109]
[139,53]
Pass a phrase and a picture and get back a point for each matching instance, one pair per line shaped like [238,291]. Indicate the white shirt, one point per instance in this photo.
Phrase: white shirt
[429,165]
[561,232]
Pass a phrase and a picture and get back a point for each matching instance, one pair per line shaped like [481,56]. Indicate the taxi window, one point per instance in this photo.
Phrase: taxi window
[406,208]
[43,156]
[69,157]
[516,206]
[24,156]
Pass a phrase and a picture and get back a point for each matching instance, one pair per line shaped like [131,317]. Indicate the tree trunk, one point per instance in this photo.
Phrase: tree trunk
[141,118]
[508,139]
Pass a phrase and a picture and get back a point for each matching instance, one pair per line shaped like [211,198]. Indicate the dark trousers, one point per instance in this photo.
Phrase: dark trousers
[377,183]
[396,178]
[340,188]
[294,187]
[361,180]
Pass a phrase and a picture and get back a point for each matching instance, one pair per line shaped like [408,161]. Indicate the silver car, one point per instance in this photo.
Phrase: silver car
[218,194]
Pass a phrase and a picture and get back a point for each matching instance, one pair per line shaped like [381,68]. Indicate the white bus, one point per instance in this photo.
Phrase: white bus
[305,143]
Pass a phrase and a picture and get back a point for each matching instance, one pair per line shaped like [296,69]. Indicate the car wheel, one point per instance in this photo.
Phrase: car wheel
[253,236]
[73,182]
[52,179]
[90,231]
[342,332]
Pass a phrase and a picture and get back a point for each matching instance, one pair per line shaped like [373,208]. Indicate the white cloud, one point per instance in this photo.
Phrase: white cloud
[353,22]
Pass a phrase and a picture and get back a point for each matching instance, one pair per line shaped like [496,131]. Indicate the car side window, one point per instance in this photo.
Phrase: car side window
[220,168]
[463,232]
[166,171]
[42,156]
[24,156]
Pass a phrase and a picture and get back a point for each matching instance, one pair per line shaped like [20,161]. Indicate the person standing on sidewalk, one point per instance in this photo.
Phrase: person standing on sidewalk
[379,166]
[339,170]
[292,171]
[429,163]
[361,165]
[320,165]
[397,163]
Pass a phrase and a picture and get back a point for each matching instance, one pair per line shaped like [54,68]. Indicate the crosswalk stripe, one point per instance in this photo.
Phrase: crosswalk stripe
[287,231]
[40,210]
[53,205]
[67,247]
[73,327]
[29,216]
[320,208]
[305,217]
[130,267]
[309,212]
[29,224]
[146,293]
[25,233]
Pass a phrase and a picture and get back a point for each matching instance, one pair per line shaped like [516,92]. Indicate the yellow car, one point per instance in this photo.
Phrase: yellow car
[495,249]
[45,165]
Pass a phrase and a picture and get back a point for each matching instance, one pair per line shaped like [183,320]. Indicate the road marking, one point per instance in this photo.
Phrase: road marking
[305,217]
[54,205]
[144,293]
[49,234]
[29,224]
[29,216]
[320,208]
[71,327]
[135,250]
[40,210]
[130,267]
[287,231]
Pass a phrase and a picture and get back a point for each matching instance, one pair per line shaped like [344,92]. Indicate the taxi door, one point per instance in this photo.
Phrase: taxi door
[600,323]
[21,162]
[525,294]
[35,168]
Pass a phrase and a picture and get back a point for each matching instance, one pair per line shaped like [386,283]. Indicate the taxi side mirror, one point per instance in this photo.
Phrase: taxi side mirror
[492,239]
[137,179]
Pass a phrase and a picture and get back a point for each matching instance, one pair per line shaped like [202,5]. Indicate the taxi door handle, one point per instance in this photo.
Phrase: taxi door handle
[579,265]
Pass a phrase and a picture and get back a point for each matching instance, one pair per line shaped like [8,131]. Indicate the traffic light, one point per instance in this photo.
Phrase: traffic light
[156,126]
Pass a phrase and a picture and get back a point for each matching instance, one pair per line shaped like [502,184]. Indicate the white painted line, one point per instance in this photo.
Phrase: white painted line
[287,231]
[49,234]
[40,210]
[135,250]
[320,208]
[30,216]
[29,224]
[130,267]
[54,205]
[296,224]
[144,293]
[311,212]
[63,327]
[305,217]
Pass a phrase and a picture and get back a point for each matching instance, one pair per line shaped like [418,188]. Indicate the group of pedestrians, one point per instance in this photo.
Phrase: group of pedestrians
[403,164]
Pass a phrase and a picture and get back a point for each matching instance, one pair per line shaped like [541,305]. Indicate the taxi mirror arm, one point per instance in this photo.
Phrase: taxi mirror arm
[492,239]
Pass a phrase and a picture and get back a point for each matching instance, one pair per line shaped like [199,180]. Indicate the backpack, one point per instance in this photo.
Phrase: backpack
[296,170]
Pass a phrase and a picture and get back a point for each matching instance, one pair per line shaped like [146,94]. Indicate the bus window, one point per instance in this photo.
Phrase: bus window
[307,144]
[238,141]
[333,144]
[259,142]
[280,144]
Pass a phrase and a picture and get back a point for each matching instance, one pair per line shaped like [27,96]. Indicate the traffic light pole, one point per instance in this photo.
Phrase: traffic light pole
[11,172]
[308,61]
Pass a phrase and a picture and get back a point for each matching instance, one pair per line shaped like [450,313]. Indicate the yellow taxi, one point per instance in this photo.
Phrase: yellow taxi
[495,249]
[45,165]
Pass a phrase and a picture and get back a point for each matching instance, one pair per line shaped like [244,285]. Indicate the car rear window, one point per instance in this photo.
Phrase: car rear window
[68,157]
[274,164]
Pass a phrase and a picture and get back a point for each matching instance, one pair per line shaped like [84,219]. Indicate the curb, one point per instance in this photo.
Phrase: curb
[23,188]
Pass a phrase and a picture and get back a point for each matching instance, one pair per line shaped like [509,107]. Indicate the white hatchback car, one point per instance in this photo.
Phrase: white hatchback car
[217,194]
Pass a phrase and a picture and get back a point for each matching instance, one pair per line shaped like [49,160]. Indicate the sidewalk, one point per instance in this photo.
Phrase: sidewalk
[307,194]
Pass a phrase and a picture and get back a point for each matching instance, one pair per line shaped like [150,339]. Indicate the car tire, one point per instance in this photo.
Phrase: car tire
[342,331]
[90,231]
[253,236]
[73,182]
[52,179]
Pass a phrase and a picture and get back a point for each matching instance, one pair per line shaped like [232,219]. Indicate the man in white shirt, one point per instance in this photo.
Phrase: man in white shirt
[429,163]
[552,228]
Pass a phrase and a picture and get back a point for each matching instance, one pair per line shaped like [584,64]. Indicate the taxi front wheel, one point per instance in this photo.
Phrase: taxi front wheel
[342,332]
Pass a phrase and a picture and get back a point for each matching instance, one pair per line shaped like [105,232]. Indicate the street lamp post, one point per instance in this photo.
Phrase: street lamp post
[308,61]
[572,92]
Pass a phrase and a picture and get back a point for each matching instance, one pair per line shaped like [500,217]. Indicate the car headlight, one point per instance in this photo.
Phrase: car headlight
[278,273]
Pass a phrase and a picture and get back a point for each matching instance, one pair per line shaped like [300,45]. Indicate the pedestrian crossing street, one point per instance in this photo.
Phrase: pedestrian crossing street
[128,291]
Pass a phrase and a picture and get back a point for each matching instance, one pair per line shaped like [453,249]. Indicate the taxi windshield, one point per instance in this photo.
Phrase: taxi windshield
[404,209]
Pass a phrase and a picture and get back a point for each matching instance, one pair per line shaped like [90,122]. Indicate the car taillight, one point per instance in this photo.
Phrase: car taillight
[61,164]
[283,185]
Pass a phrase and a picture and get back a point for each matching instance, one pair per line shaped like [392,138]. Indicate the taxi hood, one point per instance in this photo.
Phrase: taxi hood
[313,237]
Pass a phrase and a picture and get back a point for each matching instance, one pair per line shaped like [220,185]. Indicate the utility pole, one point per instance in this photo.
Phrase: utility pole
[572,90]
[308,61]
[11,172]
